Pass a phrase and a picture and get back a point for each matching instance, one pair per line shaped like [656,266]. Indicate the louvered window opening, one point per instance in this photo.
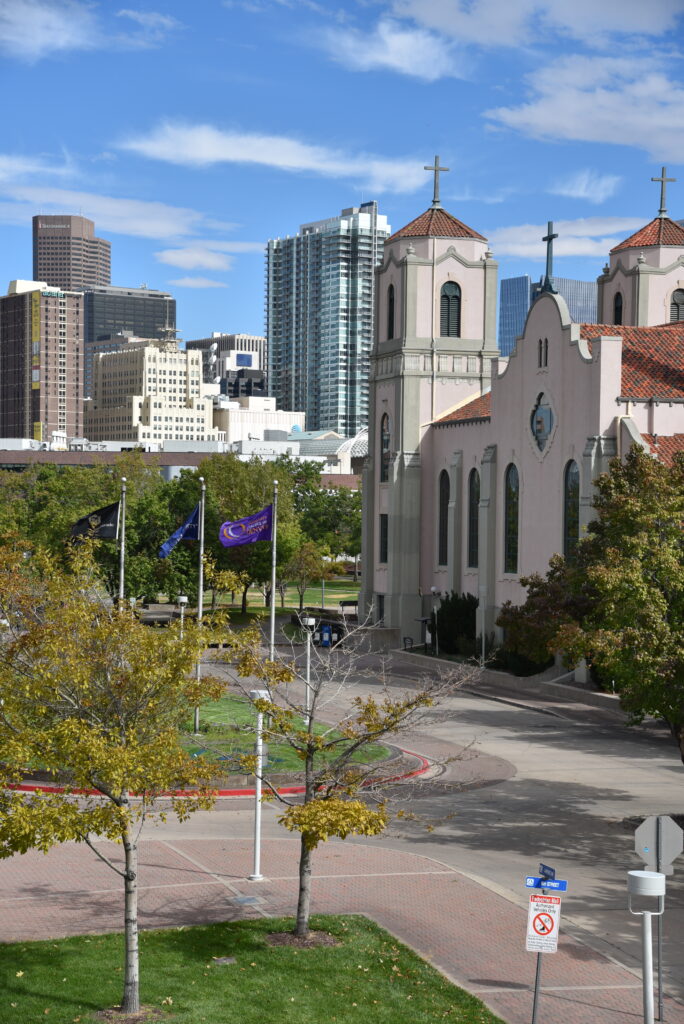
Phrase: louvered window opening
[450,311]
[677,306]
[617,308]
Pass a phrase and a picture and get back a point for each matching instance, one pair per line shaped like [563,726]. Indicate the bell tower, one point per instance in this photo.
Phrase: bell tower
[435,338]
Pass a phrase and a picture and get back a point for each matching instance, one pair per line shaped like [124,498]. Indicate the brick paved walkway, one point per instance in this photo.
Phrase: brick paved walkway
[472,934]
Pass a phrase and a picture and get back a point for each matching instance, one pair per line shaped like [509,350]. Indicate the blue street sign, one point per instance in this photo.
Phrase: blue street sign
[555,884]
[546,872]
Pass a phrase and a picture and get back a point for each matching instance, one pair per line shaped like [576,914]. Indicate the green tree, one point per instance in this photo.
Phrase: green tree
[306,565]
[633,629]
[331,517]
[96,699]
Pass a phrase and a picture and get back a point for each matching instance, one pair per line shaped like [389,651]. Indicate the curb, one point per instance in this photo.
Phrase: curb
[425,765]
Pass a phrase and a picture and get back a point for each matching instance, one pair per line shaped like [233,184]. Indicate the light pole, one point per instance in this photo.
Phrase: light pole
[182,601]
[308,623]
[254,695]
[646,883]
[435,594]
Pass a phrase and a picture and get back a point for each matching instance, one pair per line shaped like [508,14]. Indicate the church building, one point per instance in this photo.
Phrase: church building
[480,468]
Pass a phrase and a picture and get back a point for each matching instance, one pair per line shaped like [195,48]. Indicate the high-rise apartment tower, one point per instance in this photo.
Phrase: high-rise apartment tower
[41,362]
[319,317]
[67,255]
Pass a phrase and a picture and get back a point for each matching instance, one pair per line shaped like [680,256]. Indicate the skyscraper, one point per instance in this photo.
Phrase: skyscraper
[41,362]
[67,255]
[518,293]
[319,317]
[110,311]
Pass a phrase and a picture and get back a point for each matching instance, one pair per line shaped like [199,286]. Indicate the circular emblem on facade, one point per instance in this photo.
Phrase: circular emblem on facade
[542,421]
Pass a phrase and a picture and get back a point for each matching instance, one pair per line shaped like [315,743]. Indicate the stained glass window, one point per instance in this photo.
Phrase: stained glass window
[571,491]
[473,519]
[443,530]
[511,510]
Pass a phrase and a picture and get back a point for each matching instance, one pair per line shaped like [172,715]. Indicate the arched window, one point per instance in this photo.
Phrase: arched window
[473,519]
[443,528]
[571,488]
[677,306]
[617,308]
[385,441]
[450,311]
[511,509]
[390,312]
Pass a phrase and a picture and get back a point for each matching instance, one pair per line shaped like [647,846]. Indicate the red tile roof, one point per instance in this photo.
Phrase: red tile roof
[652,358]
[437,223]
[479,408]
[660,231]
[665,447]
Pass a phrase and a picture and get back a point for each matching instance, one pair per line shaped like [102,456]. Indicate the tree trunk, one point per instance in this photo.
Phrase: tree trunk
[244,601]
[304,901]
[301,600]
[131,995]
[213,599]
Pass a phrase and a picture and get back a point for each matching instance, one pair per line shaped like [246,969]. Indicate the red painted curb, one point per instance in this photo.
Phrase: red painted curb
[284,791]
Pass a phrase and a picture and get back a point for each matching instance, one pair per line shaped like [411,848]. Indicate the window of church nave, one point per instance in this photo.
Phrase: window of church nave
[390,312]
[443,528]
[385,441]
[383,547]
[511,508]
[541,421]
[617,308]
[677,306]
[473,519]
[571,494]
[450,310]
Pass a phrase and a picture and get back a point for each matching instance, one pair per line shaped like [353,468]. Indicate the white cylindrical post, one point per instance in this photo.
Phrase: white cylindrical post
[182,601]
[274,555]
[256,875]
[122,540]
[308,623]
[647,946]
[435,595]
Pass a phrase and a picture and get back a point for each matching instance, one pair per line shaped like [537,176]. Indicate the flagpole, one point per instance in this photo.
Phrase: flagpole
[271,650]
[122,541]
[200,588]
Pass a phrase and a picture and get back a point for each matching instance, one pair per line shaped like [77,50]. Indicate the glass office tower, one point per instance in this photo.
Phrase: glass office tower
[518,293]
[319,317]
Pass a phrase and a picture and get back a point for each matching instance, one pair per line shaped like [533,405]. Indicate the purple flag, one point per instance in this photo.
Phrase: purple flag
[246,531]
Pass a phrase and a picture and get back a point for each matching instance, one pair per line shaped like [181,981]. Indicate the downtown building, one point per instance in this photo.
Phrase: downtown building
[518,293]
[147,391]
[68,255]
[236,362]
[41,363]
[320,287]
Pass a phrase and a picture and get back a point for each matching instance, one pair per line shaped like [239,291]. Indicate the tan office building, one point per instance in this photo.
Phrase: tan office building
[67,254]
[41,362]
[150,391]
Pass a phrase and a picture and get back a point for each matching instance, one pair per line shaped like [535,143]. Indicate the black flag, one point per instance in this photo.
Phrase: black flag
[103,522]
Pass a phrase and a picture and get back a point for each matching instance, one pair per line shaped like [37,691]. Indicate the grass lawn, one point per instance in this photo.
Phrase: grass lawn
[369,978]
[224,736]
[335,591]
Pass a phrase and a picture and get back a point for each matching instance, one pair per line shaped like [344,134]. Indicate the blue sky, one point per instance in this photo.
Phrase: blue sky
[192,132]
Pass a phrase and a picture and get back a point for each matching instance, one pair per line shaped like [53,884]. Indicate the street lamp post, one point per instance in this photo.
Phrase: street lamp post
[648,884]
[256,875]
[308,623]
[182,601]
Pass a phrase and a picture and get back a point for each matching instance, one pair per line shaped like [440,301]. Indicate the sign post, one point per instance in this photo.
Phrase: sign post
[543,920]
[658,841]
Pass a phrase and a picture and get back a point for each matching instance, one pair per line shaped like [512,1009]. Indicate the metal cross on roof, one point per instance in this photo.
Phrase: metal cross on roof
[663,179]
[438,170]
[547,284]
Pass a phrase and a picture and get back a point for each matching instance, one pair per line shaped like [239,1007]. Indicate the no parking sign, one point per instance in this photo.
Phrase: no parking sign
[543,920]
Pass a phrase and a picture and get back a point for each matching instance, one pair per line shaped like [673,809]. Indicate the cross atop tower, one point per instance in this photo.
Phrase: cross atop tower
[436,205]
[547,284]
[663,179]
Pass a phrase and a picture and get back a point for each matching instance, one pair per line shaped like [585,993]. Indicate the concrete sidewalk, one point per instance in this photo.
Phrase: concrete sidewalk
[471,933]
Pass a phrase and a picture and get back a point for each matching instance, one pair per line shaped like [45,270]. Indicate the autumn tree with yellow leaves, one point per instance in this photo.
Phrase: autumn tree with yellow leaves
[95,699]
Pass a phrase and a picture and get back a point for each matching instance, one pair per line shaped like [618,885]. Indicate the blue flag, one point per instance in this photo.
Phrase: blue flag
[246,531]
[188,531]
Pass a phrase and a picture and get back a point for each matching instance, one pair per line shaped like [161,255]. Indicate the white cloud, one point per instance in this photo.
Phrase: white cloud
[502,23]
[13,167]
[30,29]
[586,236]
[124,216]
[155,26]
[589,185]
[393,47]
[194,257]
[203,145]
[625,101]
[197,282]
